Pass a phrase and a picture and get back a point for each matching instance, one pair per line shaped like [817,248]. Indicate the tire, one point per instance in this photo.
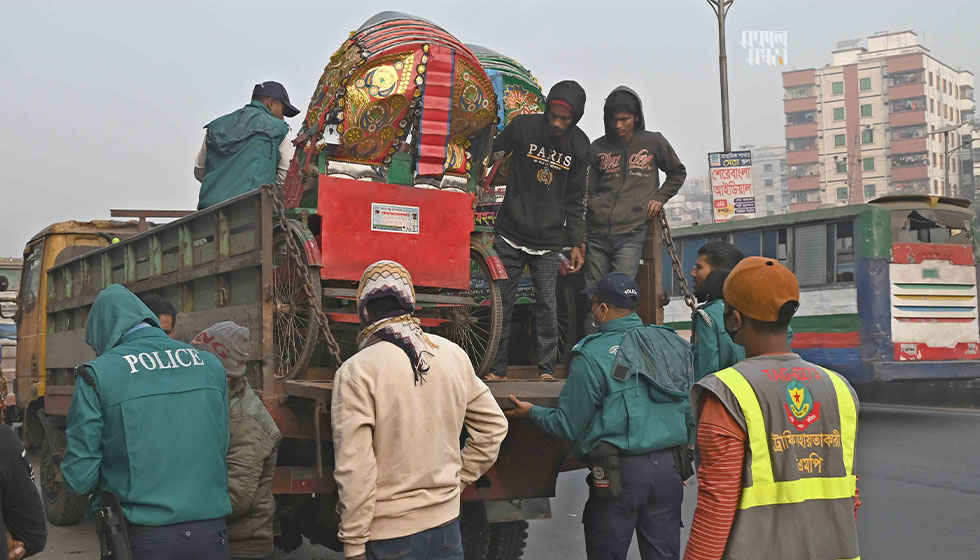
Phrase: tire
[295,331]
[476,328]
[62,506]
[507,540]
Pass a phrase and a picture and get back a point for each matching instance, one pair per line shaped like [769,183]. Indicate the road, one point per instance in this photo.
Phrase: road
[919,481]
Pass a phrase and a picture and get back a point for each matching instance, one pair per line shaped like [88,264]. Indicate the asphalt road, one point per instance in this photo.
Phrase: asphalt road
[919,481]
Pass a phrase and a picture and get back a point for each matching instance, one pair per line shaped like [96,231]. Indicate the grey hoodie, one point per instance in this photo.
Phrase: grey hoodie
[624,178]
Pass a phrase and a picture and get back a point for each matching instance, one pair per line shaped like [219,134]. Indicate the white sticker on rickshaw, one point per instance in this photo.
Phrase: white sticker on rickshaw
[394,219]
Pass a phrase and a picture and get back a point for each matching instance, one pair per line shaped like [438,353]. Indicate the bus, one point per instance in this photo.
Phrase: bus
[888,289]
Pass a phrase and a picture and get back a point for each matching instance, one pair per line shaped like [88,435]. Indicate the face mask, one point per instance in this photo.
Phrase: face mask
[728,313]
[597,324]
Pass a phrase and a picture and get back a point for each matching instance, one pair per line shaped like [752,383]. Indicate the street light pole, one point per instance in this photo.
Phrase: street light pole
[720,8]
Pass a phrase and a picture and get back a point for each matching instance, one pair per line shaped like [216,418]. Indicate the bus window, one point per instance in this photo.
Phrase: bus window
[774,245]
[13,278]
[748,243]
[927,225]
[810,254]
[842,236]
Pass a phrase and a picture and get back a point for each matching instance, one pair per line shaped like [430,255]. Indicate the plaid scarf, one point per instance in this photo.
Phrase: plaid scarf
[388,278]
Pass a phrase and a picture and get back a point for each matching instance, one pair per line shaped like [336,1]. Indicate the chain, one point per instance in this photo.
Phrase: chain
[675,263]
[294,251]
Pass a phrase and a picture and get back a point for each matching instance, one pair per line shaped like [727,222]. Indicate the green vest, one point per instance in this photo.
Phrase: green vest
[242,153]
[798,481]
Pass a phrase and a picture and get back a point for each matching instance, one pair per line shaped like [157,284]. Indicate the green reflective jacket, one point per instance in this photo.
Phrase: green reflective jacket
[594,406]
[242,153]
[153,425]
[713,349]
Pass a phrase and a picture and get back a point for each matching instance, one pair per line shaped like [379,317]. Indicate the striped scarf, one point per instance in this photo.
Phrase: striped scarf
[400,327]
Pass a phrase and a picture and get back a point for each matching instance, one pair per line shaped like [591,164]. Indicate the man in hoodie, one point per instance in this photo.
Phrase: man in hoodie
[713,349]
[624,186]
[149,422]
[246,149]
[542,213]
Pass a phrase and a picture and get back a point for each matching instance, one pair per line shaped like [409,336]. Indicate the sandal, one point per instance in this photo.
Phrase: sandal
[494,377]
[546,377]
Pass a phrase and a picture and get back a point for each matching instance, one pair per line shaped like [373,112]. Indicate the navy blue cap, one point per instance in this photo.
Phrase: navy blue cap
[616,289]
[276,90]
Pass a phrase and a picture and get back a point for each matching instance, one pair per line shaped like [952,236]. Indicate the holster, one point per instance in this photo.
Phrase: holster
[111,528]
[605,477]
[684,457]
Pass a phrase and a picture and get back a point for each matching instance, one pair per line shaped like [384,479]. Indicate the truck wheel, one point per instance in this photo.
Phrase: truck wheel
[507,540]
[62,506]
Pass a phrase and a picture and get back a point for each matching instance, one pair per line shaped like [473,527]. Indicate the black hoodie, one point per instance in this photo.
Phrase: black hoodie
[544,207]
[623,178]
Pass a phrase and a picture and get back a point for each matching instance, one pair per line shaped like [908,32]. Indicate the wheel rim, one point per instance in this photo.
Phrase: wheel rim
[294,329]
[475,328]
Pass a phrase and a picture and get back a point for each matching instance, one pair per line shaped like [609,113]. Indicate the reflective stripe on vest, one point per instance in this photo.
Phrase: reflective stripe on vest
[765,490]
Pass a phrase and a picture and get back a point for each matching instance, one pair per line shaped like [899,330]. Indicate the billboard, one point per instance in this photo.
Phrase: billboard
[731,185]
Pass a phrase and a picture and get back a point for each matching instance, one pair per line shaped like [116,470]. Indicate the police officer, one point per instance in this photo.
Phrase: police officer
[149,422]
[776,437]
[625,407]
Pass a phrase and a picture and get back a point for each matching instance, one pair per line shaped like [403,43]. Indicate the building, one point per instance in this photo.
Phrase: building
[769,184]
[879,120]
[691,205]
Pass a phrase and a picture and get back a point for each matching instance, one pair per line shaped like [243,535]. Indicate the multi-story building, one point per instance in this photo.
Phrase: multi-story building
[880,119]
[769,179]
[691,205]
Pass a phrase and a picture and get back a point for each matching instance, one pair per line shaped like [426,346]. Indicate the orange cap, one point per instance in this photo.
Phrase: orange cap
[759,287]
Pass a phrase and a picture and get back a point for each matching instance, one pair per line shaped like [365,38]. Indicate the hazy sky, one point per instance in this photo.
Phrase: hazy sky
[102,103]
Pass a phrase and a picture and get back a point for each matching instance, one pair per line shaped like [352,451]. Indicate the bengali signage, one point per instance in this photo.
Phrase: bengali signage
[731,185]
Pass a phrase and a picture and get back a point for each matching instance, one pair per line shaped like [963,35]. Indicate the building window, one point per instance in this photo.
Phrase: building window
[913,104]
[838,113]
[866,110]
[838,88]
[869,164]
[770,197]
[932,107]
[933,159]
[865,84]
[841,166]
[767,167]
[930,79]
[768,182]
[842,193]
[869,191]
[867,136]
[800,117]
[839,140]
[935,185]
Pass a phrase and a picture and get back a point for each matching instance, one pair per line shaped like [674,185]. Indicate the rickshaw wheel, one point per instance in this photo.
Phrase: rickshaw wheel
[476,328]
[294,328]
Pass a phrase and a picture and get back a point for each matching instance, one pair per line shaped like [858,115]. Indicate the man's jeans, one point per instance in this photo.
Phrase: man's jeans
[616,253]
[544,274]
[193,540]
[438,543]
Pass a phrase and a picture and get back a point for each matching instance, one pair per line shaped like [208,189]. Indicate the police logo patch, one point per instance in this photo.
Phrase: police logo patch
[614,350]
[801,409]
[598,473]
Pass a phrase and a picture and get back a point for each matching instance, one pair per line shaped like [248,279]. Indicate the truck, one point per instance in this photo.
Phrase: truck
[229,262]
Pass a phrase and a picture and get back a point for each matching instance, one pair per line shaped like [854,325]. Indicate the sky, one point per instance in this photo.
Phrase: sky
[102,104]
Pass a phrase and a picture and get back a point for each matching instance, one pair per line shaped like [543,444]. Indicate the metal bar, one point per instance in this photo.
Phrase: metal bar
[351,293]
[120,213]
[223,236]
[106,271]
[263,209]
[316,438]
[156,257]
[129,264]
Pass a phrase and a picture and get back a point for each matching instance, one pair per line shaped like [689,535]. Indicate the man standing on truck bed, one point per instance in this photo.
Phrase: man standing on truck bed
[625,406]
[149,422]
[542,213]
[246,149]
[624,186]
[398,408]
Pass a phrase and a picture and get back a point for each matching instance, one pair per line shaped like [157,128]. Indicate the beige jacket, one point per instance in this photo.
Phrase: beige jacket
[399,466]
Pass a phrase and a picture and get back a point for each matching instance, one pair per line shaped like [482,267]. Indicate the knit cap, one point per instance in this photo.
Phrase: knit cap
[229,342]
